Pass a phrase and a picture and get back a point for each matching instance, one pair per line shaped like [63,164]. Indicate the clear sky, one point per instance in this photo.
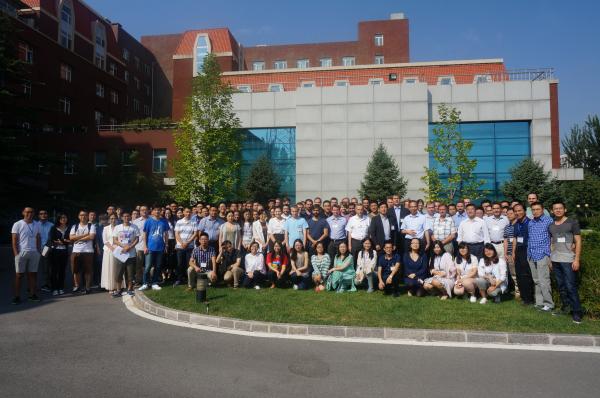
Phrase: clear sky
[561,34]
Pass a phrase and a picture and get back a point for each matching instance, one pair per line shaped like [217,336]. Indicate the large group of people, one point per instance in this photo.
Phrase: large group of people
[479,252]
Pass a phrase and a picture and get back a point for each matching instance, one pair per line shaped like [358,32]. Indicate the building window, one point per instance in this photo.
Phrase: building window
[280,64]
[244,88]
[445,80]
[64,105]
[27,89]
[276,88]
[258,65]
[66,28]
[126,76]
[99,90]
[98,117]
[376,81]
[146,110]
[136,60]
[201,50]
[136,105]
[65,72]
[70,163]
[114,97]
[100,45]
[348,61]
[411,80]
[326,62]
[307,84]
[379,60]
[100,163]
[147,89]
[113,69]
[26,53]
[378,40]
[302,63]
[341,83]
[126,54]
[147,69]
[482,79]
[127,159]
[136,81]
[159,161]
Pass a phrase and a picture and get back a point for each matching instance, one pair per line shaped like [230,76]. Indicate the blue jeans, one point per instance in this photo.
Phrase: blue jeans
[567,286]
[153,259]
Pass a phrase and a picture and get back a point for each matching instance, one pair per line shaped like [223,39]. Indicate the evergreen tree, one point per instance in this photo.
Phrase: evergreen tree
[262,182]
[529,176]
[582,146]
[382,177]
[451,152]
[208,140]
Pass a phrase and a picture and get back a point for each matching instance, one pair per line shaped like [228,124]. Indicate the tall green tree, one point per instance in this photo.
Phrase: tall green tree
[262,182]
[582,146]
[382,177]
[529,176]
[208,140]
[454,177]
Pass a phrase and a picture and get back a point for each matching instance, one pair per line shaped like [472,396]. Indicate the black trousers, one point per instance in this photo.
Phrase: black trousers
[392,288]
[183,261]
[251,282]
[59,260]
[356,247]
[476,249]
[281,282]
[524,277]
[333,248]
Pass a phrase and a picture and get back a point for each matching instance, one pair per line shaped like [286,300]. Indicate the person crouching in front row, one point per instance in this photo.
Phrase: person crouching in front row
[203,261]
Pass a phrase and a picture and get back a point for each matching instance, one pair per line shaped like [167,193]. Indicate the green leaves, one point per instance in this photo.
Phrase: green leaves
[529,176]
[382,177]
[582,146]
[262,182]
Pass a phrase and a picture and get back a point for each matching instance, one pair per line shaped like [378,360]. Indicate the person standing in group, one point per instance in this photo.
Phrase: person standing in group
[509,251]
[155,236]
[357,230]
[107,278]
[295,229]
[254,267]
[125,235]
[44,265]
[473,232]
[565,257]
[532,198]
[388,270]
[211,225]
[396,214]
[59,256]
[318,231]
[230,231]
[170,260]
[185,234]
[442,270]
[83,236]
[414,226]
[443,229]
[460,215]
[247,233]
[366,264]
[99,224]
[520,243]
[538,255]
[382,229]
[260,232]
[337,230]
[26,248]
[276,229]
[496,224]
[140,256]
[491,275]
[321,262]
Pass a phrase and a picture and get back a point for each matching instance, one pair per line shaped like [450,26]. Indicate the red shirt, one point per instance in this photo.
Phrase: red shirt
[277,261]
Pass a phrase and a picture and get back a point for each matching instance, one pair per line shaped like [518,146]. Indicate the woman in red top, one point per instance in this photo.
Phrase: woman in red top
[277,266]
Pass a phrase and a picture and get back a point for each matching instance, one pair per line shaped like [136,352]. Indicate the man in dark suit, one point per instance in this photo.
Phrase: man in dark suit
[382,228]
[396,214]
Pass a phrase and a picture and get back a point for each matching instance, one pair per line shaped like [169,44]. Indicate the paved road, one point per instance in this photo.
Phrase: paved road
[92,346]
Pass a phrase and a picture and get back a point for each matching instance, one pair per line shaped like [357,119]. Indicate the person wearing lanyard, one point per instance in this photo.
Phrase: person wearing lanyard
[203,261]
[26,246]
[496,224]
[357,230]
[337,228]
[413,226]
[443,229]
[473,232]
[524,278]
[538,254]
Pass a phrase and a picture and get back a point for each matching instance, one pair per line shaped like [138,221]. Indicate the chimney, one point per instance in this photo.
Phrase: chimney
[397,15]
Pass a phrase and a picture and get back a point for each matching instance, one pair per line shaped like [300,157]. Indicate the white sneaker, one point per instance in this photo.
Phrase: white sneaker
[473,299]
[143,287]
[75,289]
[61,292]
[483,300]
[55,292]
[257,287]
[295,287]
[156,287]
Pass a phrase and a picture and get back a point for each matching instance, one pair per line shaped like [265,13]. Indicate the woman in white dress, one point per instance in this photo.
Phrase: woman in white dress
[107,278]
[442,270]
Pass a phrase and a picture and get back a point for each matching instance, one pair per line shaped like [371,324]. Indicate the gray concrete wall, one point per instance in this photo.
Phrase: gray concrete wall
[337,128]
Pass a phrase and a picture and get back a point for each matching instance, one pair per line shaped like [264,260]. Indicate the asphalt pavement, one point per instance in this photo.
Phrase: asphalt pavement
[92,346]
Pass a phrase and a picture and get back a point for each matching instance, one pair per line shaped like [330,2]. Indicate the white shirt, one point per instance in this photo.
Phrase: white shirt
[473,230]
[276,226]
[139,223]
[429,219]
[255,263]
[417,223]
[186,229]
[358,226]
[126,235]
[496,227]
[83,246]
[27,235]
[107,236]
[497,271]
[366,264]
[463,268]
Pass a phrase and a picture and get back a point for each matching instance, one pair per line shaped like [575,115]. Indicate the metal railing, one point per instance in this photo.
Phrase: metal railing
[136,127]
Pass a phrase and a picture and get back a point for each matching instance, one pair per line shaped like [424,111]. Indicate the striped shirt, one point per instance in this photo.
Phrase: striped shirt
[538,246]
[186,229]
[509,233]
[443,228]
[320,265]
[203,257]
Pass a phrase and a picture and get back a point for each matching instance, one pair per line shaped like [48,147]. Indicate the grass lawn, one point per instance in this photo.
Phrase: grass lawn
[375,310]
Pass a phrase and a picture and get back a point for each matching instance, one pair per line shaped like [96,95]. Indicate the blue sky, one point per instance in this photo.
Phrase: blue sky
[564,35]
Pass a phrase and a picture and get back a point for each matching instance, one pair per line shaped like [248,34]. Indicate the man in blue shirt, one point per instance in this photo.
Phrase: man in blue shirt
[337,230]
[211,225]
[460,215]
[44,264]
[318,230]
[295,228]
[538,254]
[388,270]
[414,226]
[522,269]
[155,236]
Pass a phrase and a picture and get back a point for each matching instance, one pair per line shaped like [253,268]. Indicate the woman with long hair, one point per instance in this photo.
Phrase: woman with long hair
[300,271]
[491,275]
[442,270]
[320,263]
[415,269]
[107,277]
[277,266]
[59,256]
[466,271]
[231,231]
[366,262]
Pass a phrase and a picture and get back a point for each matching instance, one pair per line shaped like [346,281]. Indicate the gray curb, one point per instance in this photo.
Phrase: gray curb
[420,335]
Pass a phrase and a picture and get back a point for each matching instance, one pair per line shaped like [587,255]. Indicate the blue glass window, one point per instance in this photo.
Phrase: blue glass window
[202,49]
[497,146]
[279,144]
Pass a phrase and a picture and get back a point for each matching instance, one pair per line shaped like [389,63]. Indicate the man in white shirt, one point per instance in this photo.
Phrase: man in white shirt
[186,231]
[140,257]
[82,235]
[414,226]
[496,223]
[125,236]
[26,246]
[357,229]
[473,232]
